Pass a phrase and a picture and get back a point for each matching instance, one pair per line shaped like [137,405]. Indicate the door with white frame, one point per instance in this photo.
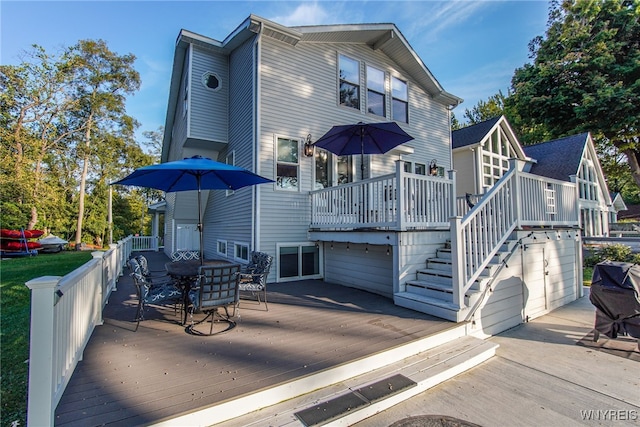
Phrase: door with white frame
[187,237]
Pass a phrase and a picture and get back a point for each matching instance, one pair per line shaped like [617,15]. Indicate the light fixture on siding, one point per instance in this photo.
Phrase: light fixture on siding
[433,168]
[308,147]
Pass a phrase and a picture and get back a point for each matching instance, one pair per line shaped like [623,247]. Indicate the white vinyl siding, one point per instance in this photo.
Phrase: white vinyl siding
[209,109]
[229,215]
[302,101]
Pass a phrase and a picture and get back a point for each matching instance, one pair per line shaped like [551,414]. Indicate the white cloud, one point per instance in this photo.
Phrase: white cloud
[307,13]
[433,18]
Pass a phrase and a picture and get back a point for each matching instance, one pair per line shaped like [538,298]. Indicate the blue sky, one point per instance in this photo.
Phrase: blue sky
[471,47]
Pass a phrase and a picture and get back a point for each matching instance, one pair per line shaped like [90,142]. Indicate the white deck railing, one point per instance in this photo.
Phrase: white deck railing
[397,201]
[64,312]
[517,199]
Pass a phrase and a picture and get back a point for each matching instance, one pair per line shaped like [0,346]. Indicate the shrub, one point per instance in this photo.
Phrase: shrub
[616,252]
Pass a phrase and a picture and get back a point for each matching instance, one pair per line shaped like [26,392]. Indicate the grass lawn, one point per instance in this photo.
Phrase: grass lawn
[15,300]
[587,274]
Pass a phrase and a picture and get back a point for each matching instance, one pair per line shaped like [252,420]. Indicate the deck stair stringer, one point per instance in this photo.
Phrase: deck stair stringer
[269,402]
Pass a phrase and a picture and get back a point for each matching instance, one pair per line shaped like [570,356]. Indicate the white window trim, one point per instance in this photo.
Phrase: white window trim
[279,279]
[393,98]
[218,247]
[235,251]
[204,81]
[275,165]
[359,83]
[385,93]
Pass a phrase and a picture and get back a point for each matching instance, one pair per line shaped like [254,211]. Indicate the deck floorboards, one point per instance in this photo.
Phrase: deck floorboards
[136,378]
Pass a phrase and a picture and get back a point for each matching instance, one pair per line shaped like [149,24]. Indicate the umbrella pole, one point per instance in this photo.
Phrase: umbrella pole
[200,221]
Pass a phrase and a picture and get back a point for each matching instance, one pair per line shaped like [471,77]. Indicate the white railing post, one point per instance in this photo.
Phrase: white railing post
[458,262]
[104,283]
[517,202]
[400,195]
[40,405]
[454,204]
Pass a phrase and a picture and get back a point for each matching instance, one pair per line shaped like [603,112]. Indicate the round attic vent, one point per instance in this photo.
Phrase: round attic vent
[211,80]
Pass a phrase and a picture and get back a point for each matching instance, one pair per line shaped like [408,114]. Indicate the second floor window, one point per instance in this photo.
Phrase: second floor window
[400,97]
[287,167]
[376,99]
[349,71]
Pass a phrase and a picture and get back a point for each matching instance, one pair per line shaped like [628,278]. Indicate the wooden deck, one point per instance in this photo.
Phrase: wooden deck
[138,378]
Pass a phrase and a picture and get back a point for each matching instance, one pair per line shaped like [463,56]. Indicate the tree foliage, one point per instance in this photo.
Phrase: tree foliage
[65,136]
[585,77]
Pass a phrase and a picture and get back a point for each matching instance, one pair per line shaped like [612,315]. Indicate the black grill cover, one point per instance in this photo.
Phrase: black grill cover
[615,291]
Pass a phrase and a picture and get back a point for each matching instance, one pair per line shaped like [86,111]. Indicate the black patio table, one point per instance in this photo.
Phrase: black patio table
[186,272]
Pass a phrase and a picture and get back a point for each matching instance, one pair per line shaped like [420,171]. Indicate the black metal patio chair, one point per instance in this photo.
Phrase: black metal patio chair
[215,290]
[253,277]
[151,293]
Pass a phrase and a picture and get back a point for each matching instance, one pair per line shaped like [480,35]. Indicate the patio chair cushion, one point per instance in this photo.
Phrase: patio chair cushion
[185,255]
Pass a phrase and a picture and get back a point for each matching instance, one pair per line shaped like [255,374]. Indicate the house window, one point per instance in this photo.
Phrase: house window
[421,169]
[211,81]
[222,247]
[288,166]
[550,196]
[400,98]
[376,98]
[587,182]
[349,73]
[298,260]
[496,153]
[345,169]
[241,251]
[324,170]
[185,101]
[408,167]
[230,160]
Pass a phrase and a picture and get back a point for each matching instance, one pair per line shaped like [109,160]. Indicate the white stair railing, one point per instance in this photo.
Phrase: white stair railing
[477,236]
[517,199]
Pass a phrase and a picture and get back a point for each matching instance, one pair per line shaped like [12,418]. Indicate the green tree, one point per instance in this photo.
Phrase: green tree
[485,110]
[102,81]
[585,77]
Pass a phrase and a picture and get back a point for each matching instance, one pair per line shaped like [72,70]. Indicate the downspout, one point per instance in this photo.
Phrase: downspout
[255,230]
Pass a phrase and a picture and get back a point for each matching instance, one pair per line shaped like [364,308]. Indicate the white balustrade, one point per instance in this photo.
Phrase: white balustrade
[64,312]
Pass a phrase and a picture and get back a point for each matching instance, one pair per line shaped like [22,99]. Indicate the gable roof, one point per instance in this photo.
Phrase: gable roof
[559,158]
[384,37]
[473,134]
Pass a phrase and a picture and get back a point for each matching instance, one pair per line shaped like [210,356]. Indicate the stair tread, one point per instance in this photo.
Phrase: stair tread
[426,369]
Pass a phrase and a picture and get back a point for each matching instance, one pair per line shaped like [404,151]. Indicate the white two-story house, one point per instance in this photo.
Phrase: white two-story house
[260,98]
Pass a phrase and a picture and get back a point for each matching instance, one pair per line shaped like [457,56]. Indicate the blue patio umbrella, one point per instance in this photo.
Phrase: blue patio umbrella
[363,138]
[195,173]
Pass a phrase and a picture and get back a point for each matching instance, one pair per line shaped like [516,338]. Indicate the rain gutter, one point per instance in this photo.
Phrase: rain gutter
[255,230]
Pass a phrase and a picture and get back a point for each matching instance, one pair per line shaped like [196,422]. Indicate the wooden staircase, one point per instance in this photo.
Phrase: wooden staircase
[432,290]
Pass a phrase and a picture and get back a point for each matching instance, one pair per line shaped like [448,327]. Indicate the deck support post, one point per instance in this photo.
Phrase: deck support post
[458,259]
[41,402]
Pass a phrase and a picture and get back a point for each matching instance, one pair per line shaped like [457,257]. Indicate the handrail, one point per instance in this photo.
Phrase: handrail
[517,199]
[477,237]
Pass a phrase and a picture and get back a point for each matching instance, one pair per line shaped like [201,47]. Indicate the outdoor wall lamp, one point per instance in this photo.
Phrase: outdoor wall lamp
[433,168]
[308,147]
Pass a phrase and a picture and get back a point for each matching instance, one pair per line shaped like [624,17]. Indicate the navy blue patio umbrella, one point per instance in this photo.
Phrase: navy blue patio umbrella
[363,138]
[195,173]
